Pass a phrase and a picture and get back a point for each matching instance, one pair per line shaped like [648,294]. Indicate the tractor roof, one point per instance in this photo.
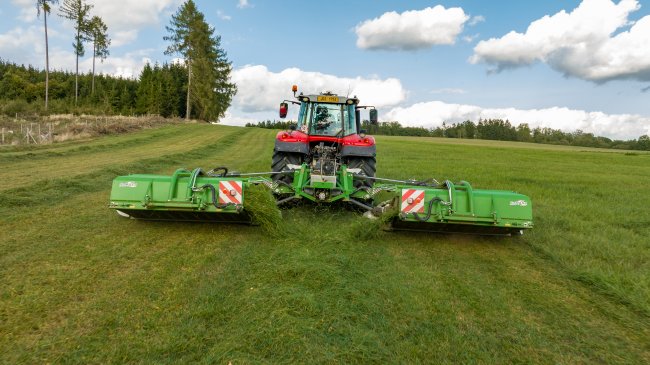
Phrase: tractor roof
[328,97]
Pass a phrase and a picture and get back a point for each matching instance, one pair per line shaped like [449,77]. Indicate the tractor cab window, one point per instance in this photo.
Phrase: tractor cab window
[349,114]
[326,119]
[302,123]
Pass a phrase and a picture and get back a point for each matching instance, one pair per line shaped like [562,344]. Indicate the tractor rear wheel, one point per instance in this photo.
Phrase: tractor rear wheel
[368,168]
[280,162]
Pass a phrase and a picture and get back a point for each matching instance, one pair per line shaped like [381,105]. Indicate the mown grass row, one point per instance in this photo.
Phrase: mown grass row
[23,173]
[68,149]
[47,192]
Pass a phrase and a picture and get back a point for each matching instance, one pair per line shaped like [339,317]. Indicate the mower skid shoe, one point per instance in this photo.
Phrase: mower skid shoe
[190,216]
[451,228]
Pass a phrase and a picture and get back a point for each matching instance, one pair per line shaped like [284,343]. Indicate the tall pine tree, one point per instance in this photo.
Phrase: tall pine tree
[44,5]
[77,11]
[208,71]
[98,32]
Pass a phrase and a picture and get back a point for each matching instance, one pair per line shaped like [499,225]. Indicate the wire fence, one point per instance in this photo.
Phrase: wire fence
[36,130]
[23,131]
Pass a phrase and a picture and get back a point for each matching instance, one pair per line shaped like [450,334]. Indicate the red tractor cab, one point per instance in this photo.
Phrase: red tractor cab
[327,133]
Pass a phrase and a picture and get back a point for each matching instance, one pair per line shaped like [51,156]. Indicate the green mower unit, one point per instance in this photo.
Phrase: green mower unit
[184,196]
[325,159]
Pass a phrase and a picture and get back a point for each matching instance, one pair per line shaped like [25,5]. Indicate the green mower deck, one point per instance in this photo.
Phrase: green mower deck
[418,206]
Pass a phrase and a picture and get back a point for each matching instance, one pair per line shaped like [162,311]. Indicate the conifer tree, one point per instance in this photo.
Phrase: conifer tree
[77,11]
[143,94]
[98,32]
[208,69]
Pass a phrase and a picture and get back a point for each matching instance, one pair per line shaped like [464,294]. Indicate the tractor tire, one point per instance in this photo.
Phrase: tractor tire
[280,162]
[368,168]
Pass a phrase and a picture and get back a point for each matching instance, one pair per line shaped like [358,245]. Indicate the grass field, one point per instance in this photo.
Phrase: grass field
[78,284]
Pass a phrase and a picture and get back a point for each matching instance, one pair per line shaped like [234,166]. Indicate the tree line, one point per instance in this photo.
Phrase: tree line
[159,90]
[490,129]
[199,87]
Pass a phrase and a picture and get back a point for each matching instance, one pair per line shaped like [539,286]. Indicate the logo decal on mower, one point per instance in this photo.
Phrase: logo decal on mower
[230,192]
[129,184]
[518,203]
[412,201]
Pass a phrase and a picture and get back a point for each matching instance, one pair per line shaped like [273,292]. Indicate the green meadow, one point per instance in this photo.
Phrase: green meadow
[80,285]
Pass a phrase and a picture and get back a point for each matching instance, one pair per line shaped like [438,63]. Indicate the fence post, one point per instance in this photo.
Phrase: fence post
[31,135]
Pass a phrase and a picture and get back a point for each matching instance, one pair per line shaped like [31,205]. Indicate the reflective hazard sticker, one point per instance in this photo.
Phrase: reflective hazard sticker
[230,192]
[412,201]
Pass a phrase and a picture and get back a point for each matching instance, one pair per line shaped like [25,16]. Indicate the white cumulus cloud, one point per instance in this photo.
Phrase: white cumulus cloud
[26,46]
[476,19]
[260,91]
[434,113]
[589,42]
[243,4]
[125,18]
[18,44]
[411,30]
[27,10]
[223,16]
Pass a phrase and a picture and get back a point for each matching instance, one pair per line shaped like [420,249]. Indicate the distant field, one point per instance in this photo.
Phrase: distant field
[78,284]
[508,144]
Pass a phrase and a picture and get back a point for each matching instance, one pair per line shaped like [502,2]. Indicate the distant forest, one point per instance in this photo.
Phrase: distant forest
[160,90]
[491,129]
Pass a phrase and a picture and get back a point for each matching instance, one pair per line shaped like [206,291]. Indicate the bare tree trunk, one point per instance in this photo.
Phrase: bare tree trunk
[94,52]
[47,59]
[189,84]
[76,81]
[76,75]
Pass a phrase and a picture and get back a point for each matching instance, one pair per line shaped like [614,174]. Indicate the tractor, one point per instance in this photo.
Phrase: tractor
[324,158]
[327,135]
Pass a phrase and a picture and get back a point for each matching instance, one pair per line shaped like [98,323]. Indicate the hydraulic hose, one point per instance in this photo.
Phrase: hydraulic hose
[215,201]
[216,169]
[449,185]
[430,207]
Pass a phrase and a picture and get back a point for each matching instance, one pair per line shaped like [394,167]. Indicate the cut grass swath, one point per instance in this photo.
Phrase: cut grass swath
[260,205]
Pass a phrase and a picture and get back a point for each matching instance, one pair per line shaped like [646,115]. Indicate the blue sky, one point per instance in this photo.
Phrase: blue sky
[579,64]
